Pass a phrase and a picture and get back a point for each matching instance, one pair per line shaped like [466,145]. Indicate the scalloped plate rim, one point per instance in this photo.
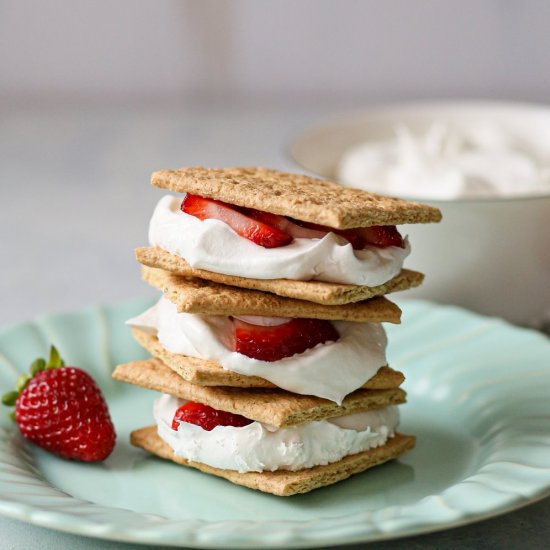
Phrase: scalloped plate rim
[123,536]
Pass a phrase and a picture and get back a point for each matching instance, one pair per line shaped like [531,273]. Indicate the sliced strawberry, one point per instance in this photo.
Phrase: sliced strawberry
[288,226]
[271,230]
[354,237]
[376,235]
[253,230]
[272,343]
[207,417]
[382,236]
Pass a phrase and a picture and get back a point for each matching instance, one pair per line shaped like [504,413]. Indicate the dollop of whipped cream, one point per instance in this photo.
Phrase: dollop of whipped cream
[448,161]
[212,245]
[259,447]
[331,370]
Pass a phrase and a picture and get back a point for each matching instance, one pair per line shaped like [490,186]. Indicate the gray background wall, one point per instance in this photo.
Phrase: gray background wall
[129,50]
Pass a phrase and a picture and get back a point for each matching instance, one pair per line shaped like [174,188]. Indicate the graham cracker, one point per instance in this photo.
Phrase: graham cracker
[295,195]
[282,482]
[320,292]
[209,373]
[277,407]
[193,295]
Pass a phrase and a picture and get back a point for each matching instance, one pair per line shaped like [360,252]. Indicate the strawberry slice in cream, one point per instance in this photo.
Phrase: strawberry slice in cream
[263,339]
[252,229]
[223,238]
[330,362]
[232,442]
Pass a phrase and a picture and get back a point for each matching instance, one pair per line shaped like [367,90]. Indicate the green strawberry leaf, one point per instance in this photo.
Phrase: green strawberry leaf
[22,381]
[38,365]
[10,398]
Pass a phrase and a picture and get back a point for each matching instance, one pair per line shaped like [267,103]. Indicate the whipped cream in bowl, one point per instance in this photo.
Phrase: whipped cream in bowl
[447,161]
[259,447]
[212,245]
[331,370]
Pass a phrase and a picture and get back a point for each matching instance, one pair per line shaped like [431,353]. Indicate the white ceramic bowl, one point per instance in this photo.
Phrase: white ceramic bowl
[491,255]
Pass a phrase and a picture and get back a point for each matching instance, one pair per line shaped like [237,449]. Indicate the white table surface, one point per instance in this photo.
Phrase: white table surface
[75,201]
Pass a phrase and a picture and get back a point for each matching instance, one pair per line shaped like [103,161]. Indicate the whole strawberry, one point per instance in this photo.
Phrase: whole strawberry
[62,410]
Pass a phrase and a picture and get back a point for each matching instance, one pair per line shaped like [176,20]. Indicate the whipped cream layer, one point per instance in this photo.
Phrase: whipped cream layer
[331,370]
[258,447]
[214,246]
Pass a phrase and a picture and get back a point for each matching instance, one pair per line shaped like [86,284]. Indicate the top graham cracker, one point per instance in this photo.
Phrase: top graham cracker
[295,195]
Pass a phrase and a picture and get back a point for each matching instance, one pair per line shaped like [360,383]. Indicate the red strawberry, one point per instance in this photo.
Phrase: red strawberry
[271,343]
[206,417]
[354,237]
[376,235]
[381,235]
[288,226]
[271,230]
[253,230]
[62,410]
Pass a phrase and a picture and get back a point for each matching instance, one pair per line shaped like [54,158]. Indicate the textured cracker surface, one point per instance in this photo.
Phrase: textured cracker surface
[209,373]
[313,291]
[284,483]
[295,195]
[194,295]
[270,406]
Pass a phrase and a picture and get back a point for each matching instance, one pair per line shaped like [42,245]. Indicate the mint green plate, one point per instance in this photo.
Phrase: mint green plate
[478,401]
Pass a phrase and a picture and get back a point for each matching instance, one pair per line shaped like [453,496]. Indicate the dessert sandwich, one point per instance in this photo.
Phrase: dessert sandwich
[267,342]
[298,225]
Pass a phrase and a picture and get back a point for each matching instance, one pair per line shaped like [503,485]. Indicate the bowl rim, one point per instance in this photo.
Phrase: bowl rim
[385,108]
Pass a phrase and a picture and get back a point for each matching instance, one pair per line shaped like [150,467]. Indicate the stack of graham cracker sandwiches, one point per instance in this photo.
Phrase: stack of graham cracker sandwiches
[267,342]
